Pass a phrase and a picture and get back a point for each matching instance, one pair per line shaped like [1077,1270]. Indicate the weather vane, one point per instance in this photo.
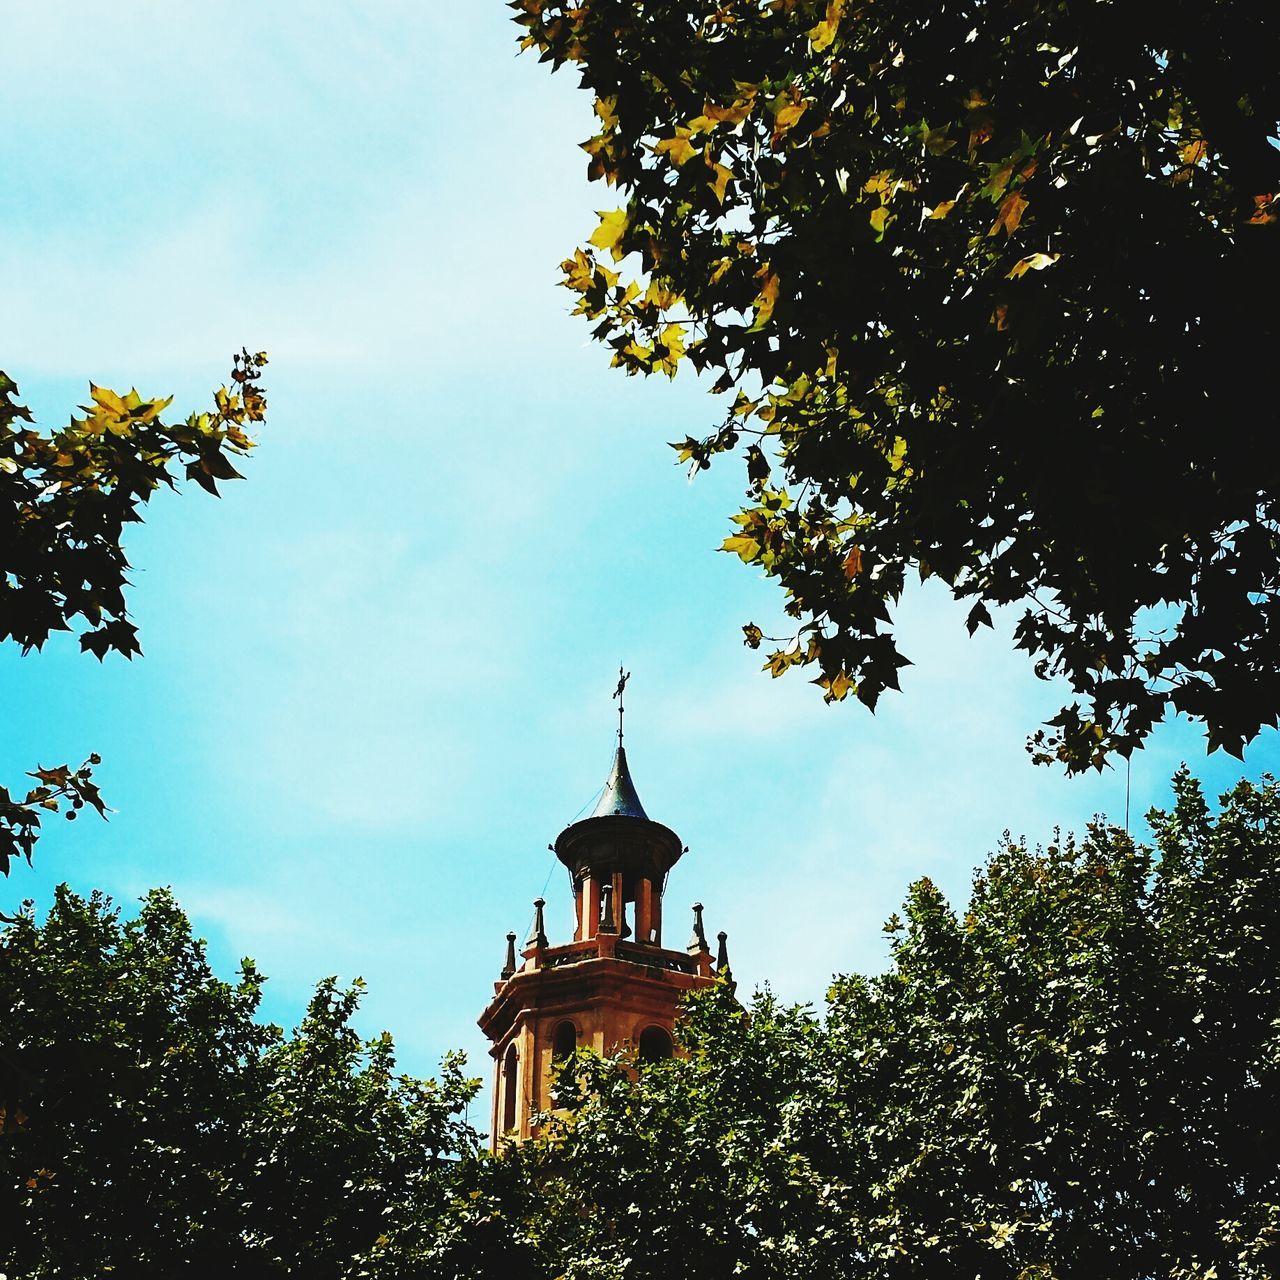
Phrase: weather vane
[617,693]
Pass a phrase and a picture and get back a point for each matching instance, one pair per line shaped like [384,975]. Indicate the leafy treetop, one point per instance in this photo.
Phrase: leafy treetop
[993,287]
[1069,1078]
[65,499]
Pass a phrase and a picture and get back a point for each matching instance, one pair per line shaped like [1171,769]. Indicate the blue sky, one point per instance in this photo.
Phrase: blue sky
[377,673]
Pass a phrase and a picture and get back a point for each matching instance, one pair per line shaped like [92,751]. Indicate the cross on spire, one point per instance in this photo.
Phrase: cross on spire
[617,693]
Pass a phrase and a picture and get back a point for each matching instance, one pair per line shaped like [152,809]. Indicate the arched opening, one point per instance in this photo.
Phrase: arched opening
[565,1041]
[510,1074]
[655,1044]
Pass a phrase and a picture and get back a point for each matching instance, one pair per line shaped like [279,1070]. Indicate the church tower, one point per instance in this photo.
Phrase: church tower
[615,986]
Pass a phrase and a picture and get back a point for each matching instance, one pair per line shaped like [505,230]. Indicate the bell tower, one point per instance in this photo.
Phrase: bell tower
[615,986]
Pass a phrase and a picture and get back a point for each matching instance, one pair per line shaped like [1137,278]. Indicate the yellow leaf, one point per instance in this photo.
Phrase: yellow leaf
[1195,151]
[747,549]
[1010,215]
[108,399]
[577,271]
[1033,262]
[608,235]
[767,298]
[678,149]
[786,116]
[879,220]
[607,110]
[943,208]
[735,114]
[821,36]
[660,297]
[673,340]
[633,352]
[838,687]
[721,180]
[780,660]
[717,271]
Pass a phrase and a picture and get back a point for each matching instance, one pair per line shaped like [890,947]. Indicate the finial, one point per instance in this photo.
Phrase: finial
[538,936]
[698,944]
[722,962]
[606,909]
[617,693]
[508,969]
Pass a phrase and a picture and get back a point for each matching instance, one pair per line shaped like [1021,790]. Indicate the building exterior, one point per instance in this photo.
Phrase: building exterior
[615,986]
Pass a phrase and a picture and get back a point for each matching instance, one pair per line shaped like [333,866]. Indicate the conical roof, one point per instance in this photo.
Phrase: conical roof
[619,799]
[618,834]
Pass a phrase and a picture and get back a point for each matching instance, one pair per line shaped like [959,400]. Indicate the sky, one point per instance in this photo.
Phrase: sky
[377,672]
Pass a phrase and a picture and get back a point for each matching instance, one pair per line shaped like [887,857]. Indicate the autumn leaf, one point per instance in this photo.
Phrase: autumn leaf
[107,399]
[1195,151]
[720,182]
[1264,208]
[821,36]
[679,150]
[837,687]
[1033,262]
[767,298]
[608,235]
[853,562]
[1010,215]
[745,548]
[781,660]
[672,340]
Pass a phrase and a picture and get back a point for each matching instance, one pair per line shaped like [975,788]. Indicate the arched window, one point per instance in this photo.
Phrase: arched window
[565,1041]
[510,1083]
[655,1044]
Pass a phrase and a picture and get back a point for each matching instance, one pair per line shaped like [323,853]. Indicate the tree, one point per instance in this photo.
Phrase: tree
[1071,1079]
[994,285]
[152,1126]
[65,499]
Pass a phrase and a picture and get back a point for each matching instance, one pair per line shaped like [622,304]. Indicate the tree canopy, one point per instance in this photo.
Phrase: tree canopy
[66,497]
[992,283]
[152,1125]
[1072,1077]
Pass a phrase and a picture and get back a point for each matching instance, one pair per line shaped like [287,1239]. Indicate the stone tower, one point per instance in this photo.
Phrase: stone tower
[615,986]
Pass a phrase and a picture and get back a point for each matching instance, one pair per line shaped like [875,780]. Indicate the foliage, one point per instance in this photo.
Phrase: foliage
[1069,1080]
[153,1126]
[65,499]
[20,818]
[1072,1079]
[993,285]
